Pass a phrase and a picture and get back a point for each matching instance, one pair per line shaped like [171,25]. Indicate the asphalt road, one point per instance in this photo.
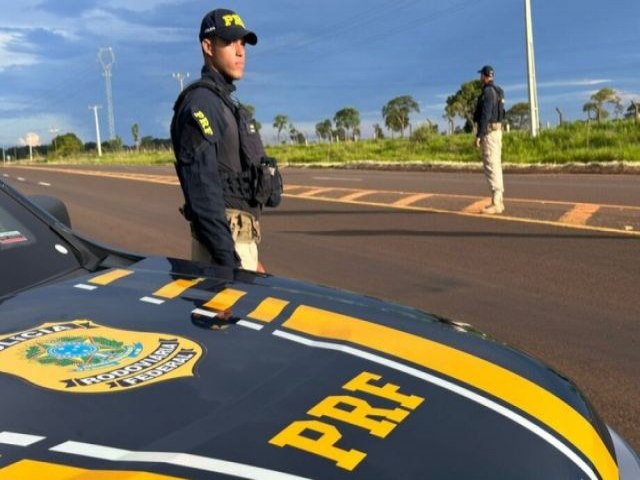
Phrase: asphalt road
[568,296]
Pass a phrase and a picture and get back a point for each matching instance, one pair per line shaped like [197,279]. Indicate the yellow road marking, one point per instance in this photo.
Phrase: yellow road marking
[140,177]
[268,309]
[580,214]
[176,288]
[476,372]
[354,196]
[110,277]
[405,202]
[25,469]
[224,300]
[315,191]
[476,207]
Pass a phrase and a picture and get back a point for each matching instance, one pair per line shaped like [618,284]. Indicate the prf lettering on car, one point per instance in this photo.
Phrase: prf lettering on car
[233,20]
[322,437]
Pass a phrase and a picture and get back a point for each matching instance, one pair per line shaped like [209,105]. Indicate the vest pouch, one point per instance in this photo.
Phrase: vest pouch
[268,183]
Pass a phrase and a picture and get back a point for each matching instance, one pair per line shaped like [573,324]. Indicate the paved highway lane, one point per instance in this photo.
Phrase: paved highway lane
[567,296]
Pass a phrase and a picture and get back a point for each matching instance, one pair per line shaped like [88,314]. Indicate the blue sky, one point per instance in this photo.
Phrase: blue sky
[312,59]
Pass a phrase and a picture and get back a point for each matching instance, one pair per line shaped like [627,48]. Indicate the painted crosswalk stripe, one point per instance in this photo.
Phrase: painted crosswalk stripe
[83,286]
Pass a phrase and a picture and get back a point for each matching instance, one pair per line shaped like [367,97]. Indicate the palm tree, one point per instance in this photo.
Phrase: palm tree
[280,122]
[396,113]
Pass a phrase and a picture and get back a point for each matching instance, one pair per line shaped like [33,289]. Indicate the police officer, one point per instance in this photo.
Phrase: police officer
[488,116]
[216,146]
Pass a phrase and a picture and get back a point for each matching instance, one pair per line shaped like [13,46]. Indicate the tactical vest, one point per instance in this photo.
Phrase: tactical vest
[500,113]
[260,180]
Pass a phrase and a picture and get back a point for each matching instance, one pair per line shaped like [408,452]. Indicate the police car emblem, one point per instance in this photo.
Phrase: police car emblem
[81,356]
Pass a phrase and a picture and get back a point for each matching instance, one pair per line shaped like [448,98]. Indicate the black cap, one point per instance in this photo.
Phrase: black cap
[487,71]
[227,25]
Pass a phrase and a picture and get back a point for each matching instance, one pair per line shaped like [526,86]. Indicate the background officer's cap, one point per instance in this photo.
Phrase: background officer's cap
[227,25]
[487,71]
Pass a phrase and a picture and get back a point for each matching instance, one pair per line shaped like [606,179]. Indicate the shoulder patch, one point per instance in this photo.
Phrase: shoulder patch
[204,123]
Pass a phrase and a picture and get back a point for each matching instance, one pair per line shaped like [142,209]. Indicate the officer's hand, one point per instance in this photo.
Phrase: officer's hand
[477,142]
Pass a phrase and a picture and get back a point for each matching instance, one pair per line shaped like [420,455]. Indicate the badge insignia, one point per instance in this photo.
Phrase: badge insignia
[81,356]
[204,123]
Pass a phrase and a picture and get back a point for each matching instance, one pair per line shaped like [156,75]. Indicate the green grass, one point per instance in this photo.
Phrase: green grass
[572,143]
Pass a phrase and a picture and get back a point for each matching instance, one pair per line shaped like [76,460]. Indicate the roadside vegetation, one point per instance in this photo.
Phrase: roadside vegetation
[338,140]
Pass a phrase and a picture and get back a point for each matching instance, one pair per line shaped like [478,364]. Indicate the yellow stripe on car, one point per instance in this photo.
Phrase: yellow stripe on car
[176,288]
[476,372]
[110,277]
[268,309]
[224,300]
[32,469]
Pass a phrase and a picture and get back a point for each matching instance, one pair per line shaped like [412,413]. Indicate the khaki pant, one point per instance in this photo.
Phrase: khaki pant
[245,231]
[492,159]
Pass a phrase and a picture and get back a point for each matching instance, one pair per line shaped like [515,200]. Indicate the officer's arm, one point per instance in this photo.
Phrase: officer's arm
[198,165]
[486,110]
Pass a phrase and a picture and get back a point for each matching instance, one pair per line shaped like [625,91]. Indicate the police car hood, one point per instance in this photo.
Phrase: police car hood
[164,367]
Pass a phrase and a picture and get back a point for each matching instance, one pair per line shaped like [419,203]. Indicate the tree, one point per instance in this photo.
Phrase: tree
[378,133]
[324,130]
[280,122]
[347,118]
[602,96]
[396,113]
[463,103]
[633,111]
[518,116]
[135,133]
[113,145]
[591,108]
[67,145]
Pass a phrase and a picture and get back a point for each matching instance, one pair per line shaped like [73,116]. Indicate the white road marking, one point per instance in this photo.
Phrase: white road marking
[20,179]
[251,325]
[5,175]
[19,439]
[198,462]
[470,395]
[44,184]
[205,313]
[154,301]
[83,286]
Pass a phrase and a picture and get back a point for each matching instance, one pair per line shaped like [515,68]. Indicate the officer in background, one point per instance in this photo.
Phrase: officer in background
[488,116]
[224,174]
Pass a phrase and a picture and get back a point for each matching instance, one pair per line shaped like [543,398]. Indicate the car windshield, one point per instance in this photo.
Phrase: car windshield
[30,252]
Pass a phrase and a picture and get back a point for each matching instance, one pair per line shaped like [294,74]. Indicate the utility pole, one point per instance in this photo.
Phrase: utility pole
[53,131]
[531,71]
[107,59]
[180,78]
[95,116]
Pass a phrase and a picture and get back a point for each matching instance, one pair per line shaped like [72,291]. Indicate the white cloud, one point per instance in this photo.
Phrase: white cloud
[8,56]
[143,5]
[15,128]
[105,24]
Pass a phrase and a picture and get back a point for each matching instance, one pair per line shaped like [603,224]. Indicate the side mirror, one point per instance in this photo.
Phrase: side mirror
[53,206]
